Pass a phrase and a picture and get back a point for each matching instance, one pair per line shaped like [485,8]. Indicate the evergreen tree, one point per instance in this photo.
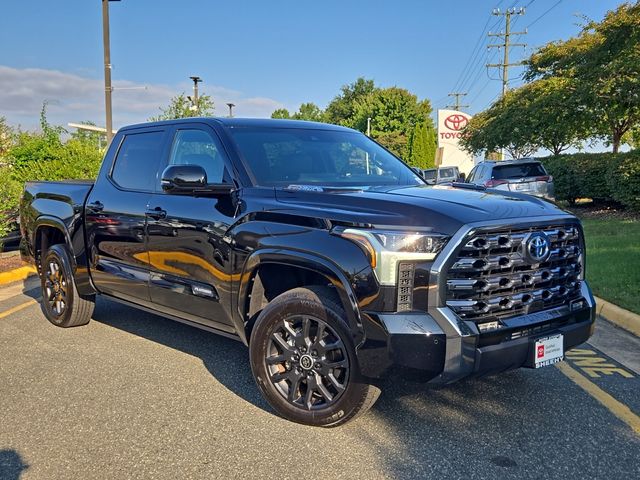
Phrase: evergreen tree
[423,146]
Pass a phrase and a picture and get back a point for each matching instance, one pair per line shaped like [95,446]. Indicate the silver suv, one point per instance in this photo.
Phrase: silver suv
[525,175]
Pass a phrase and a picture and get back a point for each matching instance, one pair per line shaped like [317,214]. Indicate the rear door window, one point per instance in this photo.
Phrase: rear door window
[520,170]
[138,160]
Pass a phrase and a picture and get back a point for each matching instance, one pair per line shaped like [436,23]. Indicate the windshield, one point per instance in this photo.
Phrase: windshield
[298,157]
[521,170]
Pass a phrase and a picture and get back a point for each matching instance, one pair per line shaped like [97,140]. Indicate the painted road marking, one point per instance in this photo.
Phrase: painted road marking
[594,365]
[17,308]
[619,409]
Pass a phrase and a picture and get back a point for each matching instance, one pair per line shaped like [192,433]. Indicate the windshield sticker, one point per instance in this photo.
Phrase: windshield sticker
[305,188]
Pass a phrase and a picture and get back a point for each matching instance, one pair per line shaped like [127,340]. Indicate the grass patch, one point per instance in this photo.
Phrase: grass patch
[613,260]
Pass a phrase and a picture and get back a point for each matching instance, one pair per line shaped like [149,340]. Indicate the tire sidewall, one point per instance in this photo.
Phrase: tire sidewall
[267,321]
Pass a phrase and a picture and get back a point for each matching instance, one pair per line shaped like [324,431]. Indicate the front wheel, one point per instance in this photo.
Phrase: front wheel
[61,303]
[304,361]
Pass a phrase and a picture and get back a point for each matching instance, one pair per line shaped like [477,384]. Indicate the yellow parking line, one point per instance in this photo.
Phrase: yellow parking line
[17,308]
[619,409]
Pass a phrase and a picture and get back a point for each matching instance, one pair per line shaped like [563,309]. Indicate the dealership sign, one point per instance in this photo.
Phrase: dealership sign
[451,125]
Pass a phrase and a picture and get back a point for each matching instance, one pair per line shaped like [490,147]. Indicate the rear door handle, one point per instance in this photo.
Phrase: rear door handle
[156,213]
[96,207]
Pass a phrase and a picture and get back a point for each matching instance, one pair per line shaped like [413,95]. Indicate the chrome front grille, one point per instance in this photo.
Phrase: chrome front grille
[491,277]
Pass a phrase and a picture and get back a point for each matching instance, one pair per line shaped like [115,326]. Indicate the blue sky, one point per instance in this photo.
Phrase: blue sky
[260,55]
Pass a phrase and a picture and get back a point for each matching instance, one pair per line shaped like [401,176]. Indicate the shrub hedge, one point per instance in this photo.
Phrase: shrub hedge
[603,177]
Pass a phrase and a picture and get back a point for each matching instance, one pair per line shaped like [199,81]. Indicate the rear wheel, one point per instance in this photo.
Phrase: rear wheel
[304,361]
[61,303]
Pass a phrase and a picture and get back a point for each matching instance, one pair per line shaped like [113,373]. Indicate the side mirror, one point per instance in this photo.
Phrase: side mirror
[191,180]
[183,178]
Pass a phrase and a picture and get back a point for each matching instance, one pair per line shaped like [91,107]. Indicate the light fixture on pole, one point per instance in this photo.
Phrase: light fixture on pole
[196,104]
[231,105]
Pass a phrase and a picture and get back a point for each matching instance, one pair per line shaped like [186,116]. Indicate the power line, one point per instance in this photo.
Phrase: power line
[477,63]
[473,54]
[547,11]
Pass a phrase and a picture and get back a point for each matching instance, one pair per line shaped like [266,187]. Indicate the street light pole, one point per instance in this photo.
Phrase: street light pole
[231,105]
[107,70]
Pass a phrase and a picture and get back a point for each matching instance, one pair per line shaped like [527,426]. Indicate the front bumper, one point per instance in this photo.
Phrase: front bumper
[440,348]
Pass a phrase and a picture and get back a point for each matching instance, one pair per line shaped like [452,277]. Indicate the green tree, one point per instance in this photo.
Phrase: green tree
[281,113]
[603,65]
[504,125]
[342,109]
[309,111]
[541,114]
[181,107]
[394,112]
[423,145]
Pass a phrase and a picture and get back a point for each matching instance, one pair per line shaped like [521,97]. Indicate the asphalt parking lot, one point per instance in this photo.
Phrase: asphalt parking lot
[133,395]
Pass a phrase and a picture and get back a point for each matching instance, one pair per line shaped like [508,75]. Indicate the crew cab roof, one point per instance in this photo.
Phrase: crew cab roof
[247,122]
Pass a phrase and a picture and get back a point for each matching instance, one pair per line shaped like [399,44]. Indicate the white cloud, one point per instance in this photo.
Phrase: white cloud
[72,97]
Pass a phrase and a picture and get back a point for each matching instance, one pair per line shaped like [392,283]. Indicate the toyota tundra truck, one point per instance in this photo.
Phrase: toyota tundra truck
[321,251]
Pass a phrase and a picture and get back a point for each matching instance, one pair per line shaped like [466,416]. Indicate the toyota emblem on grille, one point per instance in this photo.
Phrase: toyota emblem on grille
[537,247]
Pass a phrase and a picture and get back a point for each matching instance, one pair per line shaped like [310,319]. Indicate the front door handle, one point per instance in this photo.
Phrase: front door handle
[96,207]
[156,213]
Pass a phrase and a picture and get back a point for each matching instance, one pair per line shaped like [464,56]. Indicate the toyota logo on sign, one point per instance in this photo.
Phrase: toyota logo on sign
[456,122]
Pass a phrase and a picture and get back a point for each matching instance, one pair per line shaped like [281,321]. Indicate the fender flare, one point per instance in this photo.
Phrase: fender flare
[80,272]
[58,224]
[315,263]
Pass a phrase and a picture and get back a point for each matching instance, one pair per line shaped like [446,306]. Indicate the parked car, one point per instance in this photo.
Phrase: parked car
[444,175]
[525,175]
[325,254]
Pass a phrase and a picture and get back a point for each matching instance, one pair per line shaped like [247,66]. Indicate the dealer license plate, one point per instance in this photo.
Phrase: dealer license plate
[548,350]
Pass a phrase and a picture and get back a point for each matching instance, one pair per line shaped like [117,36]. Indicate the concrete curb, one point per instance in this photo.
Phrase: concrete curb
[619,316]
[17,274]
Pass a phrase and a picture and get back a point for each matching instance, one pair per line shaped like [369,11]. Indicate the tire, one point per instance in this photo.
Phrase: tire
[61,303]
[304,361]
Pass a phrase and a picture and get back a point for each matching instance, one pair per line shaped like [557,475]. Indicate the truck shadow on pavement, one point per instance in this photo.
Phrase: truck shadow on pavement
[518,424]
[11,465]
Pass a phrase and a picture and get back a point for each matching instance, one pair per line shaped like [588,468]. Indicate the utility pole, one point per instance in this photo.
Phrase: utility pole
[196,104]
[507,44]
[457,105]
[107,70]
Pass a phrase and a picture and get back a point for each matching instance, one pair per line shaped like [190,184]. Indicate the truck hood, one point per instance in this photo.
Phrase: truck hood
[444,208]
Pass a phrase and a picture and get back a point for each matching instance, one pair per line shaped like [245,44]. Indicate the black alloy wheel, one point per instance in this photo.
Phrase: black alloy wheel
[304,361]
[56,287]
[307,362]
[61,303]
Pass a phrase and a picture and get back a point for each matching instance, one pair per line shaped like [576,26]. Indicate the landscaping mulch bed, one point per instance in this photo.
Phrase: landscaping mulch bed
[10,263]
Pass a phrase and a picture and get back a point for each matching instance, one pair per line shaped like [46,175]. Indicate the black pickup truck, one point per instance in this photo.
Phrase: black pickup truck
[320,250]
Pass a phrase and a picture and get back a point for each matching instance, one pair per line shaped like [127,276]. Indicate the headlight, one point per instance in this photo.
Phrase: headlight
[385,248]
